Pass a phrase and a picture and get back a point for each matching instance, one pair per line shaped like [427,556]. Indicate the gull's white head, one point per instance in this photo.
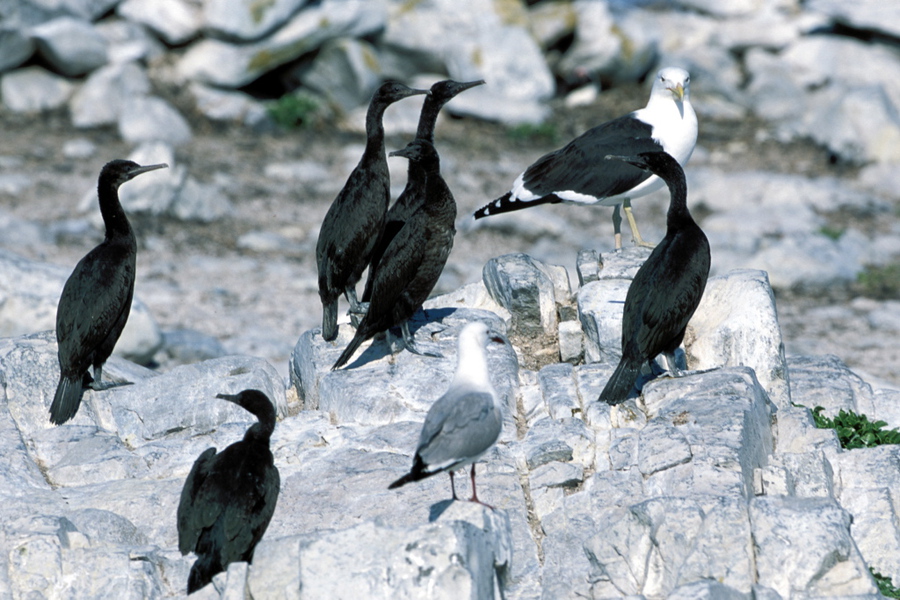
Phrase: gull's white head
[672,82]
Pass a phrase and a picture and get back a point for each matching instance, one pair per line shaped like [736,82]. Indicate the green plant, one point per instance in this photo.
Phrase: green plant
[856,431]
[885,585]
[833,233]
[295,109]
[531,132]
[881,283]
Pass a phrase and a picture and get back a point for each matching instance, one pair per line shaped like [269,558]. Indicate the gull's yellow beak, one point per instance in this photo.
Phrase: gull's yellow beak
[678,90]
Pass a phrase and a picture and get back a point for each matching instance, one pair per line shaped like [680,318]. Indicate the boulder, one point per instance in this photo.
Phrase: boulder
[33,90]
[71,46]
[175,21]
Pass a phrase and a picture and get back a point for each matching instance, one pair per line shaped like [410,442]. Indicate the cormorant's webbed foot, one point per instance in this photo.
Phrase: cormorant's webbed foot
[410,343]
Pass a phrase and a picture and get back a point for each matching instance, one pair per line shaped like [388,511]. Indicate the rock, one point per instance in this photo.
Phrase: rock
[79,148]
[71,46]
[522,286]
[412,382]
[202,202]
[868,14]
[736,324]
[238,20]
[175,21]
[224,105]
[103,97]
[148,118]
[827,382]
[16,46]
[33,90]
[229,65]
[346,72]
[479,44]
[129,41]
[30,293]
[599,47]
[810,539]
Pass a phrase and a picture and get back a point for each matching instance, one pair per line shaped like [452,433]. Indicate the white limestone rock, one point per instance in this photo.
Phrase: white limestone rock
[33,90]
[827,382]
[523,287]
[487,41]
[71,46]
[149,118]
[867,14]
[175,21]
[346,72]
[228,106]
[16,46]
[804,546]
[736,324]
[129,41]
[409,383]
[230,65]
[102,98]
[245,21]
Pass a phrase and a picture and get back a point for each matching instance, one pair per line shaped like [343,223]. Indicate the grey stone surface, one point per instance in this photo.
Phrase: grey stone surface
[521,285]
[33,90]
[72,46]
[16,46]
[175,21]
[149,118]
[234,19]
[229,65]
[102,98]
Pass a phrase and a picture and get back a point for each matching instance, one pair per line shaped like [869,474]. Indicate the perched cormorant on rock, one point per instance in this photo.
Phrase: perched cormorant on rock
[96,300]
[351,225]
[463,423]
[228,498]
[667,288]
[413,261]
[410,198]
[579,174]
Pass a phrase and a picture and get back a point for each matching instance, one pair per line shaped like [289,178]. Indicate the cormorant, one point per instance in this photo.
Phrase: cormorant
[413,261]
[579,174]
[667,288]
[410,198]
[351,226]
[96,299]
[463,423]
[228,498]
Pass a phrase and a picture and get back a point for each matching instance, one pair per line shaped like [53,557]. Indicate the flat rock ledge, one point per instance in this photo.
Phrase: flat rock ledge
[712,485]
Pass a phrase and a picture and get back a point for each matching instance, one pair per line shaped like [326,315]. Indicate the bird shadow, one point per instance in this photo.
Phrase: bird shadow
[392,341]
[438,508]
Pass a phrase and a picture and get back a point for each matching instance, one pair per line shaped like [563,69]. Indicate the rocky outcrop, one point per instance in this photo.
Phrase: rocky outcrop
[715,484]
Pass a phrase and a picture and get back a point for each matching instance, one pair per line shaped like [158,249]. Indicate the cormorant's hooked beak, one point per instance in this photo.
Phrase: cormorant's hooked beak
[137,171]
[471,84]
[229,397]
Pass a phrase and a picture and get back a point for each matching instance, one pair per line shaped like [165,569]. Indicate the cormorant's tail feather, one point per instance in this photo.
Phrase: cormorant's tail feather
[508,203]
[620,383]
[355,343]
[329,320]
[67,400]
[202,573]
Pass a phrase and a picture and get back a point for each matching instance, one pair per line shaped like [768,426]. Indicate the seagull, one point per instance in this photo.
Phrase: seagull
[463,424]
[667,288]
[579,174]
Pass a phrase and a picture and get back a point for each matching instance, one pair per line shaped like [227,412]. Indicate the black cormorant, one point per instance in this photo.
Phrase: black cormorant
[667,288]
[413,261]
[351,226]
[228,498]
[410,198]
[579,174]
[96,299]
[466,421]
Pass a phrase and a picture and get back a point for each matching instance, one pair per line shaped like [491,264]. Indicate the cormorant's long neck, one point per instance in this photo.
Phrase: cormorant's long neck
[262,429]
[117,225]
[678,211]
[428,118]
[375,131]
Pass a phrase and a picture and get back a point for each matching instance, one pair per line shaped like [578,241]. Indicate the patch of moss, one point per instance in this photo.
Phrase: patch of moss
[530,132]
[880,283]
[833,233]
